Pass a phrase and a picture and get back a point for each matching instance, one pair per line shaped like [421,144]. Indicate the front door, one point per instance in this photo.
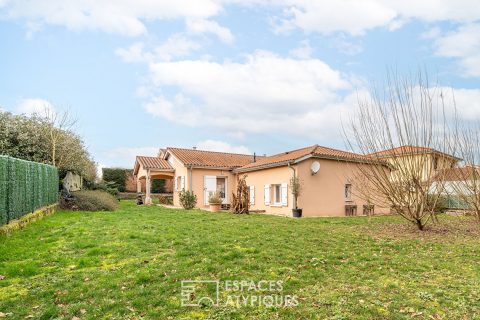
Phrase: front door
[210,186]
[213,184]
[222,188]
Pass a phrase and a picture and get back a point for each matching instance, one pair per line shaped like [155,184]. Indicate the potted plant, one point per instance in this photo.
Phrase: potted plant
[296,188]
[215,201]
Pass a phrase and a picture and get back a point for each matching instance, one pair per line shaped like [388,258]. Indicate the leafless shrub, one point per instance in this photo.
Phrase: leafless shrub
[241,198]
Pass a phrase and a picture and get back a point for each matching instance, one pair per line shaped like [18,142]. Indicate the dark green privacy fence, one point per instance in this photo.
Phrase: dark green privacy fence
[24,187]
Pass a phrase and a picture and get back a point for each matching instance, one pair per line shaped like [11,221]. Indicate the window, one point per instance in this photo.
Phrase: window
[180,183]
[277,194]
[348,192]
[368,209]
[350,210]
[221,186]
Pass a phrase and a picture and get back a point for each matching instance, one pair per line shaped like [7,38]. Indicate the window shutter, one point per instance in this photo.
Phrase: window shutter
[284,194]
[175,183]
[266,194]
[252,195]
[182,183]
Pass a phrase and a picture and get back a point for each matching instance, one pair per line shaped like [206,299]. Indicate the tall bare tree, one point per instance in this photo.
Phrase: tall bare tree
[409,119]
[57,124]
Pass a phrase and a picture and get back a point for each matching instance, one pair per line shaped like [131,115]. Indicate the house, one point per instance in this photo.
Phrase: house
[327,176]
[458,184]
[328,179]
[425,162]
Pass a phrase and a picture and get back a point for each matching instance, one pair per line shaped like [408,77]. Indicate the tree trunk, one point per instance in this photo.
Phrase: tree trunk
[419,224]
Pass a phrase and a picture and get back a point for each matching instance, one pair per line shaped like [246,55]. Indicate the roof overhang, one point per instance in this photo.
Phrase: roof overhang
[414,153]
[146,166]
[306,157]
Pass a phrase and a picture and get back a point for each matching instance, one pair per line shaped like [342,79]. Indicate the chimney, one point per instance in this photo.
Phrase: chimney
[194,148]
[254,157]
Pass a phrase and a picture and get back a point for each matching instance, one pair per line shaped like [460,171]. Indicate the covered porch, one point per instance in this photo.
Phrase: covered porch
[148,169]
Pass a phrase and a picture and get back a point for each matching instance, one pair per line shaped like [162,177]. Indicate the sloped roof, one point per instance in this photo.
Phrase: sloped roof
[151,163]
[314,151]
[457,174]
[212,159]
[408,150]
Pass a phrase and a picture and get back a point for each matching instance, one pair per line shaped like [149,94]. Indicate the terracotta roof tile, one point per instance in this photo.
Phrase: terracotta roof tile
[315,150]
[154,163]
[202,158]
[404,150]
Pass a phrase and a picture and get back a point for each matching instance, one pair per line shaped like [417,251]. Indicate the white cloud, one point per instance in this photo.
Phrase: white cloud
[128,17]
[346,47]
[356,17]
[467,102]
[208,26]
[134,53]
[432,33]
[37,106]
[265,93]
[124,17]
[221,146]
[176,46]
[125,156]
[304,51]
[353,17]
[464,45]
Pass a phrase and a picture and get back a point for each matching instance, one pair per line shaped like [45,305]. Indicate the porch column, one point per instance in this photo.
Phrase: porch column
[139,185]
[148,184]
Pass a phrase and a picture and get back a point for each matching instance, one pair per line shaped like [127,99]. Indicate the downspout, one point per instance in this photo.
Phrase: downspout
[294,175]
[190,178]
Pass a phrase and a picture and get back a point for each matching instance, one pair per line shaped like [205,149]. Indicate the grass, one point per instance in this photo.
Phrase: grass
[129,264]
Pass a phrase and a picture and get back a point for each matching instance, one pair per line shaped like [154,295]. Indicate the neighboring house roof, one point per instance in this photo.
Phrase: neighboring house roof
[211,159]
[409,150]
[298,155]
[151,163]
[457,174]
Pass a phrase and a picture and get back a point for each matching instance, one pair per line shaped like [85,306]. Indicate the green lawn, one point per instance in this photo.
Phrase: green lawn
[129,264]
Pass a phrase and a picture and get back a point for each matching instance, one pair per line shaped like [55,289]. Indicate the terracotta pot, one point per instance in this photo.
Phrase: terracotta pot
[215,207]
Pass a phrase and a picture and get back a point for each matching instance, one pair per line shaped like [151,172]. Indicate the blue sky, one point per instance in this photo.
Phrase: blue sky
[241,76]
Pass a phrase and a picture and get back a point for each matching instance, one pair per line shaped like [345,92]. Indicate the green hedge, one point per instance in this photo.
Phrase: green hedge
[24,187]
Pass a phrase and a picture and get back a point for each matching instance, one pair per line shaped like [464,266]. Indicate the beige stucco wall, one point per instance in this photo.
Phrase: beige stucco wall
[419,163]
[180,170]
[198,183]
[195,181]
[260,178]
[323,194]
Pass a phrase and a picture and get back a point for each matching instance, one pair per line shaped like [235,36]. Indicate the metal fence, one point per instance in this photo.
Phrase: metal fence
[24,187]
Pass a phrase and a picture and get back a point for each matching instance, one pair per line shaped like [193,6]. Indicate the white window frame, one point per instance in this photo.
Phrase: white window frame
[273,195]
[179,183]
[348,191]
